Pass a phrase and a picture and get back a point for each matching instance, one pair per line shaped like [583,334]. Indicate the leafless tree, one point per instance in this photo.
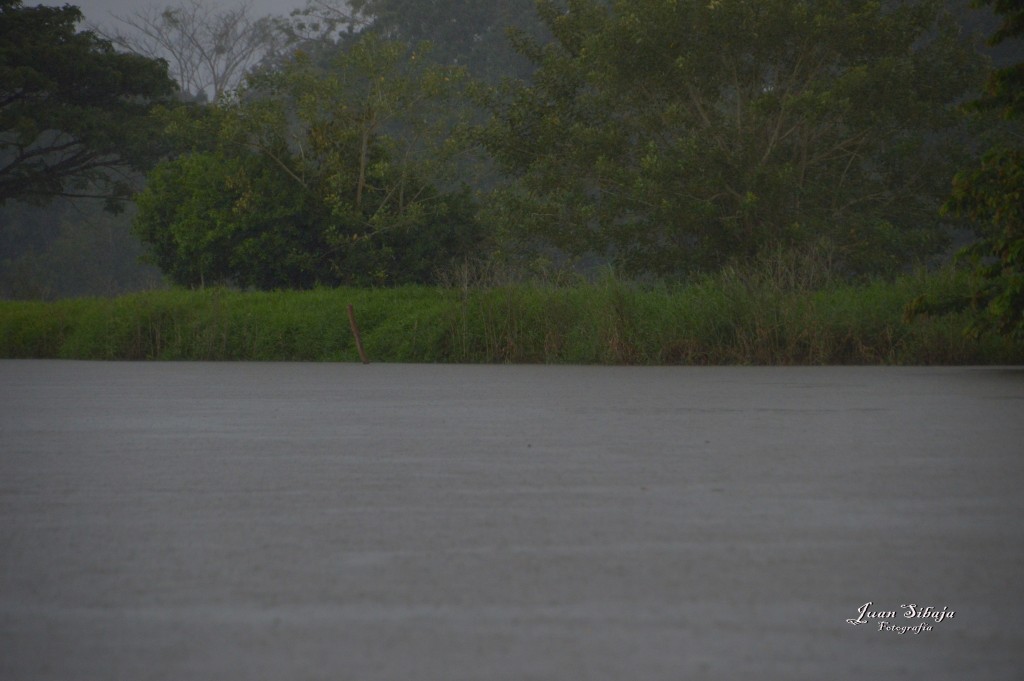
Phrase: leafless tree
[209,48]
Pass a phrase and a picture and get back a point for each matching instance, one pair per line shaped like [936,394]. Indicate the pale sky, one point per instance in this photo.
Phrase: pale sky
[101,12]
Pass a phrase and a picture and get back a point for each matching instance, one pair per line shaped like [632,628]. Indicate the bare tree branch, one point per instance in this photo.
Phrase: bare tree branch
[208,49]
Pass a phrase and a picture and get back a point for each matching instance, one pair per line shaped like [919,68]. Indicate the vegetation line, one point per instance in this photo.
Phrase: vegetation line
[728,318]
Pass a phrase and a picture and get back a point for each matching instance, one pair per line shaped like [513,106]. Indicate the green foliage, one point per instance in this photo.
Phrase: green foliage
[682,136]
[465,32]
[733,317]
[69,249]
[213,218]
[992,194]
[315,174]
[73,112]
[36,329]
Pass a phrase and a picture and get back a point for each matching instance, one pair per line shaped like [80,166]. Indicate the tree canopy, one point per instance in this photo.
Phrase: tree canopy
[667,137]
[992,192]
[209,48]
[678,136]
[467,33]
[315,174]
[73,111]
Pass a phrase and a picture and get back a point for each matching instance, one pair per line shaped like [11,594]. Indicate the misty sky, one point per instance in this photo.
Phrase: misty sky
[101,12]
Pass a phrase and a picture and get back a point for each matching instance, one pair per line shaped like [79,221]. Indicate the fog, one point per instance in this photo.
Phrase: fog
[103,12]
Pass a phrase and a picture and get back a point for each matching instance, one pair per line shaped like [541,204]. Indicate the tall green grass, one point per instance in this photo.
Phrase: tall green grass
[730,318]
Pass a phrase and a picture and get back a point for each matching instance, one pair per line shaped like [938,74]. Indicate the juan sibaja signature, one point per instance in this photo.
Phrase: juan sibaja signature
[865,615]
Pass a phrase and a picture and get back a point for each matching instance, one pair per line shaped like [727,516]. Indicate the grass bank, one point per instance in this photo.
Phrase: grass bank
[726,319]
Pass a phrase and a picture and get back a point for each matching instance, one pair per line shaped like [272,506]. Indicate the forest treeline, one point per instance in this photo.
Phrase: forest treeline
[381,143]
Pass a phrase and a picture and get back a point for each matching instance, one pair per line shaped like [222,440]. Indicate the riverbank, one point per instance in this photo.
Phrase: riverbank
[726,319]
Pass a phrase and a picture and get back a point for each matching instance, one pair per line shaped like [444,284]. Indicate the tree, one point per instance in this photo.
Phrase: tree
[209,49]
[73,111]
[315,175]
[466,33]
[69,248]
[326,20]
[992,194]
[382,93]
[216,217]
[678,136]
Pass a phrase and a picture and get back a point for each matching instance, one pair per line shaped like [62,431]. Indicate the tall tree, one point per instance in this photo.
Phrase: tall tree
[992,192]
[681,135]
[73,111]
[317,174]
[465,33]
[209,48]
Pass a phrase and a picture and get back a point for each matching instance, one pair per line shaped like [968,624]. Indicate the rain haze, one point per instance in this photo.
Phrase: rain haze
[660,369]
[103,12]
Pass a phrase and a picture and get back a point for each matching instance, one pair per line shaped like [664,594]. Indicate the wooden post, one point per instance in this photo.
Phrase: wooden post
[355,334]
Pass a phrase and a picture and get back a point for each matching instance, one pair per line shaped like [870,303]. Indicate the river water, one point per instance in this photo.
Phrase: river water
[385,522]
